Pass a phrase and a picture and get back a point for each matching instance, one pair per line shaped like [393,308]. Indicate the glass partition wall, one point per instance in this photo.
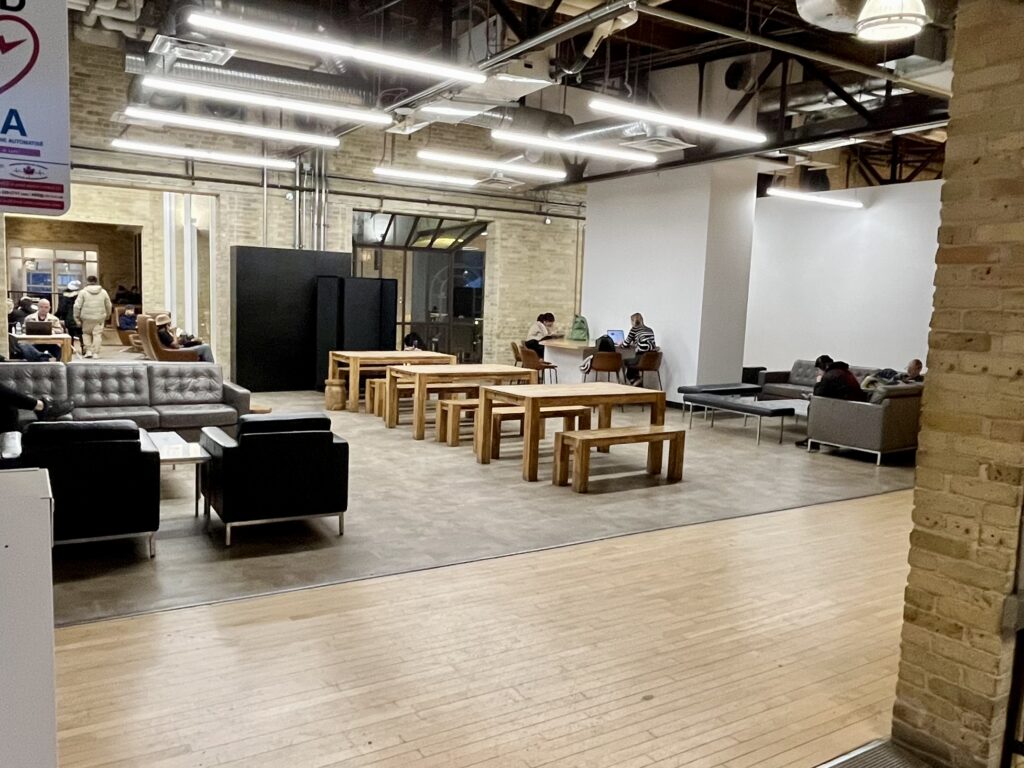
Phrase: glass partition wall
[439,266]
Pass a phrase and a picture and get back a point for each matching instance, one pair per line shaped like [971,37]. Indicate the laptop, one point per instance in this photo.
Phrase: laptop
[38,328]
[616,335]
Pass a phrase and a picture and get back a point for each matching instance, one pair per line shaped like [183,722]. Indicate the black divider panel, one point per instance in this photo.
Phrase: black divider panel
[274,296]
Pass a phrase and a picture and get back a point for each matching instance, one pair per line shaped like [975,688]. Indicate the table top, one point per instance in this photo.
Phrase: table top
[460,369]
[380,355]
[174,449]
[799,406]
[595,389]
[566,344]
[31,337]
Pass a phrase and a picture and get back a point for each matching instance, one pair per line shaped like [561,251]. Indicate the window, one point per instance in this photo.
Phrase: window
[45,271]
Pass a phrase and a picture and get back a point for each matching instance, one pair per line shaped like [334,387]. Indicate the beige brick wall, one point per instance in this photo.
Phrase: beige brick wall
[956,657]
[112,187]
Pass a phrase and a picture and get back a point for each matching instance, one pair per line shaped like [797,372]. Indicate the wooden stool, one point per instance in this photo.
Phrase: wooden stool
[372,385]
[448,420]
[573,417]
[334,395]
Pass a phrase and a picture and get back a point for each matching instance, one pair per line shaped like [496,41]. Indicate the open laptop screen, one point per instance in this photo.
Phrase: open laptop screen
[616,335]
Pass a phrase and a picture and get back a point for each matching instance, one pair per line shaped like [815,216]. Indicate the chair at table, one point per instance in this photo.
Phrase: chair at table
[650,362]
[517,354]
[280,467]
[531,361]
[75,453]
[606,363]
[124,336]
[156,351]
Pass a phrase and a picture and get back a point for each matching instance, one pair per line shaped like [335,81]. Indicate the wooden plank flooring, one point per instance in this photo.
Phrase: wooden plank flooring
[765,641]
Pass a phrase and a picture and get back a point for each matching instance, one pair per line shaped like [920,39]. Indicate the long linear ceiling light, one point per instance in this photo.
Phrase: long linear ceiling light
[573,147]
[428,178]
[921,128]
[806,198]
[822,146]
[229,158]
[229,126]
[486,163]
[319,45]
[252,98]
[697,125]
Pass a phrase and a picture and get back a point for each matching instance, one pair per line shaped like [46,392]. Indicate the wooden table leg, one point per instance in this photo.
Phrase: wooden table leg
[440,423]
[419,406]
[655,450]
[66,350]
[581,467]
[454,424]
[604,421]
[391,403]
[532,423]
[353,384]
[483,435]
[560,474]
[675,458]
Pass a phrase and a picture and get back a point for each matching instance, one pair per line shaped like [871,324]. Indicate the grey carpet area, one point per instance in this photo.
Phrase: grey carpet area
[416,505]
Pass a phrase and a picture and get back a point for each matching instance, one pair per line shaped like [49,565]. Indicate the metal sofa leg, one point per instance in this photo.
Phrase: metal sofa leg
[878,458]
[341,524]
[152,545]
[227,534]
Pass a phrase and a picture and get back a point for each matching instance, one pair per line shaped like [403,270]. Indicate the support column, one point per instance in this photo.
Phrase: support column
[957,647]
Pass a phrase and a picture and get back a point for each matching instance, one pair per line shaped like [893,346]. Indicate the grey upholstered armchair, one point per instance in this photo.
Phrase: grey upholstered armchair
[888,424]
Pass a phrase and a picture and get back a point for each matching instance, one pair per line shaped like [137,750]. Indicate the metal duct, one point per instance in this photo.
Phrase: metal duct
[609,128]
[256,76]
[811,92]
[526,119]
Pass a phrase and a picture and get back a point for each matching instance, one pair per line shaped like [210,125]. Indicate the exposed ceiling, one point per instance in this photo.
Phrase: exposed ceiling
[821,84]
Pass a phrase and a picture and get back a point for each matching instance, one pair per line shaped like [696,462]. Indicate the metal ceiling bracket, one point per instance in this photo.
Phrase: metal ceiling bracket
[825,79]
[762,78]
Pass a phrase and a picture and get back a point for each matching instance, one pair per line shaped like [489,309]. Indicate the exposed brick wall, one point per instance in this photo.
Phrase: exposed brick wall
[129,188]
[956,659]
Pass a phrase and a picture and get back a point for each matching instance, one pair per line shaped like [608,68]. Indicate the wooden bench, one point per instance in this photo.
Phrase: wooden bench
[448,421]
[580,442]
[334,395]
[406,390]
[573,416]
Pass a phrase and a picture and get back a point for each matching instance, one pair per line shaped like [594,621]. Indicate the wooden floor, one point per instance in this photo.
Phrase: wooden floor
[761,641]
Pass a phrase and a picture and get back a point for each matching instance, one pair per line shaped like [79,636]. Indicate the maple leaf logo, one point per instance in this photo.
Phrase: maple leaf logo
[6,47]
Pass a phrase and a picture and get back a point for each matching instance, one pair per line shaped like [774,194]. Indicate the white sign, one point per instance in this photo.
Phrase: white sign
[35,150]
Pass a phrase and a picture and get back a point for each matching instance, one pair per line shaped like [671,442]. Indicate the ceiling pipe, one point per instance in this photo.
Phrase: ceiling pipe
[793,50]
[602,31]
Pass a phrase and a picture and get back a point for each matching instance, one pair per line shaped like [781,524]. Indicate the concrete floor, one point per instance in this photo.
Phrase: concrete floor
[416,505]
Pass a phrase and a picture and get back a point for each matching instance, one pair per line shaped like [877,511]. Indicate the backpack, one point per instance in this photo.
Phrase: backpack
[580,330]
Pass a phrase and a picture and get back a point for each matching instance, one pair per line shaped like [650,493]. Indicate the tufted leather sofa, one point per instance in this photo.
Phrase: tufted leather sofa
[157,396]
[798,382]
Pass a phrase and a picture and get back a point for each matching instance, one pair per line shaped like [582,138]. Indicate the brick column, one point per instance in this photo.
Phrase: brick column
[956,659]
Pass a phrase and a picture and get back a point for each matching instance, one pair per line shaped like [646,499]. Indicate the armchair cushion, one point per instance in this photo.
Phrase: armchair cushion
[185,383]
[262,423]
[109,384]
[198,415]
[59,434]
[36,379]
[803,372]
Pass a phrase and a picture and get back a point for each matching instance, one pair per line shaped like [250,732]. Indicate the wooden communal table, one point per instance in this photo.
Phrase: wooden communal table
[422,375]
[62,340]
[377,360]
[601,395]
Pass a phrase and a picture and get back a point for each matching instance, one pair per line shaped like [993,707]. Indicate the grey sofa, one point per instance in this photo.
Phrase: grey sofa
[798,382]
[183,397]
[887,424]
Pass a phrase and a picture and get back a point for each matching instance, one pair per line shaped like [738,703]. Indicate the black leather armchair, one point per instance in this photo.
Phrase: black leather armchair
[280,467]
[72,452]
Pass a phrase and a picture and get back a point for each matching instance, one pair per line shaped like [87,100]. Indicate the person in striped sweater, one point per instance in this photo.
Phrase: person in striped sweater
[640,339]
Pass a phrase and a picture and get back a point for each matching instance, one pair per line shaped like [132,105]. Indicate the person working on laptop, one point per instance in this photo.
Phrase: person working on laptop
[44,322]
[640,339]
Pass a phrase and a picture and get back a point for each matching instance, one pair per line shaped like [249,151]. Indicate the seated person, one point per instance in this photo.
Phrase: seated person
[44,315]
[12,401]
[170,341]
[22,350]
[128,321]
[18,312]
[915,372]
[413,341]
[836,381]
[641,339]
[542,330]
[604,344]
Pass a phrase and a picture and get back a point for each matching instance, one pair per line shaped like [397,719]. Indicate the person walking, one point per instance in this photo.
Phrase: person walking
[66,312]
[92,308]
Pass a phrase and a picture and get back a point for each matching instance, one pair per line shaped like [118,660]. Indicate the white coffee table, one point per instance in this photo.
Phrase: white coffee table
[174,450]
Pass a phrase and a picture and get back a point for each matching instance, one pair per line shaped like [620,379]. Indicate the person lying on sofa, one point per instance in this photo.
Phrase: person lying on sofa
[167,339]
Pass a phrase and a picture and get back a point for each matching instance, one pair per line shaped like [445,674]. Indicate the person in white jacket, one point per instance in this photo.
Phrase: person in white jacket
[92,308]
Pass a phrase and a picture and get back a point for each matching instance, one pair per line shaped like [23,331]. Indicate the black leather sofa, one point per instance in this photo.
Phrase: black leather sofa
[77,452]
[280,467]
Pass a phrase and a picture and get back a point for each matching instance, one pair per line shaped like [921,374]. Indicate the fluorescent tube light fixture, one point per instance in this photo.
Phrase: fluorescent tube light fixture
[452,111]
[229,126]
[696,125]
[573,147]
[821,146]
[490,164]
[920,128]
[425,178]
[229,158]
[808,198]
[252,98]
[320,45]
[882,20]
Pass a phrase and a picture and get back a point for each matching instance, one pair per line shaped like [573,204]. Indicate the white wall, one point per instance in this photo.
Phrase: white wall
[644,252]
[853,284]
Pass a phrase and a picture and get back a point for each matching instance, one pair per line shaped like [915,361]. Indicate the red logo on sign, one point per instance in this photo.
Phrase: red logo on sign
[16,59]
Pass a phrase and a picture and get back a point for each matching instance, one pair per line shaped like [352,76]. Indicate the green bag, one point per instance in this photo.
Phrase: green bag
[580,330]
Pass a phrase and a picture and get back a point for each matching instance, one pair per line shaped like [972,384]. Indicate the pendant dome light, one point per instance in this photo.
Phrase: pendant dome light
[882,20]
